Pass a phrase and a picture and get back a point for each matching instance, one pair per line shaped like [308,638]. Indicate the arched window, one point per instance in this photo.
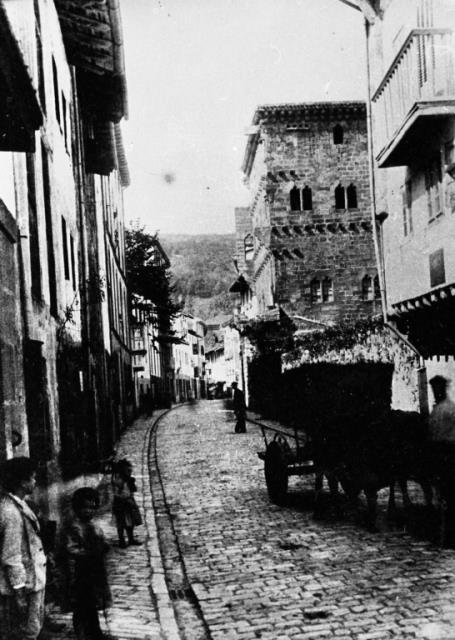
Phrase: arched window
[338,134]
[307,198]
[248,247]
[315,292]
[327,290]
[367,288]
[340,202]
[352,196]
[377,288]
[294,196]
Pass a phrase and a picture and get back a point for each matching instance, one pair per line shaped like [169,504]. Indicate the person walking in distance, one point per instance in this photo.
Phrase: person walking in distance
[83,550]
[125,510]
[22,558]
[239,408]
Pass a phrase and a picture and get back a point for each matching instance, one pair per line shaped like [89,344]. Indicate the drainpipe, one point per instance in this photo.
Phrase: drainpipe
[378,248]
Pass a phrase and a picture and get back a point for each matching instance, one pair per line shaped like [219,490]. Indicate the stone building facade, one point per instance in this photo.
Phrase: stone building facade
[305,243]
[63,171]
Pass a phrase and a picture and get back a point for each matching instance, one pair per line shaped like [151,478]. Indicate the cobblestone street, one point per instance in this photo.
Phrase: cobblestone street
[262,571]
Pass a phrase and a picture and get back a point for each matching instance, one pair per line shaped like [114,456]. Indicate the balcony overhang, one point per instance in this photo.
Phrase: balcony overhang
[425,300]
[92,35]
[412,137]
[20,113]
[427,320]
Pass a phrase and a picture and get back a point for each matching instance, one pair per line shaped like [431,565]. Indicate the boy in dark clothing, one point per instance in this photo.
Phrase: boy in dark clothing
[84,549]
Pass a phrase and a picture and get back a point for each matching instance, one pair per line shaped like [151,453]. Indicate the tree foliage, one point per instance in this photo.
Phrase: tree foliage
[146,275]
[203,270]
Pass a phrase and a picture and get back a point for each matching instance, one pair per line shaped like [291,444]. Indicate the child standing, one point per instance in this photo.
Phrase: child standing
[84,549]
[125,510]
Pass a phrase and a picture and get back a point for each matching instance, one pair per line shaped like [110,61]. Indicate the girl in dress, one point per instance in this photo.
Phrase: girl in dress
[125,510]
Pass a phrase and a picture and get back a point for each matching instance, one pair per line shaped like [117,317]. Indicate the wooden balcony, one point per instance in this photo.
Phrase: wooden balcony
[417,91]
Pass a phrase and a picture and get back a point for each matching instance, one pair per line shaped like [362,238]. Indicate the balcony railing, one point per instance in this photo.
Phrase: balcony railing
[420,81]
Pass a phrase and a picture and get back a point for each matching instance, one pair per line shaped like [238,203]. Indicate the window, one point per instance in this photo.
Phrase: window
[65,250]
[351,193]
[49,231]
[337,134]
[437,268]
[294,196]
[321,291]
[377,288]
[56,91]
[65,121]
[35,262]
[195,349]
[367,288]
[406,196]
[370,288]
[73,264]
[39,56]
[340,202]
[248,247]
[327,290]
[307,199]
[433,185]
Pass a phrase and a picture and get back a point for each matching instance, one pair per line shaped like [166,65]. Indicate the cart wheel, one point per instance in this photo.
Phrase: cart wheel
[276,473]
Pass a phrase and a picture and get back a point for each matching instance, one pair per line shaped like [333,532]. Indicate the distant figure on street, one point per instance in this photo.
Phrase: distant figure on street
[84,549]
[239,408]
[22,559]
[442,449]
[442,418]
[125,510]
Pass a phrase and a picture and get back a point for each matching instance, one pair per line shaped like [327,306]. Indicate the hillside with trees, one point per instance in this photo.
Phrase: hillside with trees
[202,271]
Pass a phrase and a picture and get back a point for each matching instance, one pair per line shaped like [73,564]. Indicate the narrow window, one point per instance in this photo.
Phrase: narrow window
[248,245]
[433,185]
[340,202]
[294,195]
[56,91]
[49,232]
[437,268]
[35,265]
[39,57]
[316,292]
[404,213]
[73,263]
[352,196]
[327,290]
[367,288]
[65,120]
[65,249]
[307,199]
[337,134]
[377,288]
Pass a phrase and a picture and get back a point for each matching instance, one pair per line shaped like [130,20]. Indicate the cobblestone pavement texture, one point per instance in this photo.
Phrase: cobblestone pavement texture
[141,607]
[276,573]
[262,571]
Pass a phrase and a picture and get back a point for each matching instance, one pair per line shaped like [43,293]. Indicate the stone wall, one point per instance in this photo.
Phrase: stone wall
[323,241]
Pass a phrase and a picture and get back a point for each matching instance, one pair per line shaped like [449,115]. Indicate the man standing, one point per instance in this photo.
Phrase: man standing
[442,442]
[22,559]
[239,409]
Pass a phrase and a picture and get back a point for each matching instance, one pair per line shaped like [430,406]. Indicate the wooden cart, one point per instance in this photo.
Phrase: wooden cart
[286,454]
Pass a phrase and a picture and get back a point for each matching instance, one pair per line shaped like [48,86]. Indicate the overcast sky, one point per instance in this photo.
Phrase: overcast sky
[196,71]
